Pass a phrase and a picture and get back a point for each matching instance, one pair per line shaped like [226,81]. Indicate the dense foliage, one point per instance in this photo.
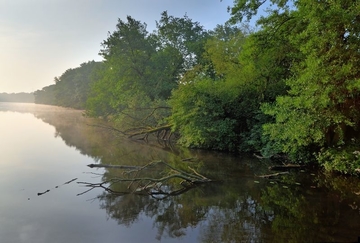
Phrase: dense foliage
[321,110]
[141,69]
[292,86]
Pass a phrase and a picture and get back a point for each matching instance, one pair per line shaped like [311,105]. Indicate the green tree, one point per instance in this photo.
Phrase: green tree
[142,69]
[267,59]
[199,113]
[321,109]
[247,69]
[204,105]
[71,89]
[249,8]
[183,35]
[125,81]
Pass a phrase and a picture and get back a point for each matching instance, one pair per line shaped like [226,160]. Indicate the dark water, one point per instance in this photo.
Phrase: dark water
[44,149]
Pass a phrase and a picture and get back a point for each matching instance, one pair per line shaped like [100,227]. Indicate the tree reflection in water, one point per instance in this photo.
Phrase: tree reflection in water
[239,210]
[324,207]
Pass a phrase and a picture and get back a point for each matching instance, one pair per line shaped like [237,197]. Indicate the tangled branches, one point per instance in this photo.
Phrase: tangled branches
[172,181]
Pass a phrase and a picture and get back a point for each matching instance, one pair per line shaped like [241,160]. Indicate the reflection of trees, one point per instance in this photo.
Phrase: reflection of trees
[224,212]
[239,210]
[323,208]
[312,212]
[102,145]
[124,209]
[169,216]
[244,222]
[157,179]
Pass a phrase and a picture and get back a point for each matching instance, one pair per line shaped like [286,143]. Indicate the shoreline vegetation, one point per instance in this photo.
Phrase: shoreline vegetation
[291,87]
[21,97]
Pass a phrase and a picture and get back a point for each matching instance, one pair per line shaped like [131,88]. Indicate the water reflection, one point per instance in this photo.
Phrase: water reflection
[239,210]
[299,207]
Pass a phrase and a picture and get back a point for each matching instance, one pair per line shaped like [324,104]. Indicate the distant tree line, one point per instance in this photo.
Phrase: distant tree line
[71,89]
[17,97]
[291,87]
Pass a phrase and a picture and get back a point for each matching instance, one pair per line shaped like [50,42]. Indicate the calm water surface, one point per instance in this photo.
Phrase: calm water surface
[44,153]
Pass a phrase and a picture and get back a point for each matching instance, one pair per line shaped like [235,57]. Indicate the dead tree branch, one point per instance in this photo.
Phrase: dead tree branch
[113,166]
[273,175]
[153,111]
[150,130]
[172,181]
[161,132]
[285,167]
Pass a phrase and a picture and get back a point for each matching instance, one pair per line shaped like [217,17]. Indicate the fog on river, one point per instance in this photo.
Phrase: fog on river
[44,155]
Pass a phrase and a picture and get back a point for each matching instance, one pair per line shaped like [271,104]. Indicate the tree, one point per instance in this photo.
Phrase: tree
[124,81]
[71,89]
[45,95]
[204,105]
[142,69]
[320,113]
[17,97]
[249,8]
[321,109]
[247,69]
[184,36]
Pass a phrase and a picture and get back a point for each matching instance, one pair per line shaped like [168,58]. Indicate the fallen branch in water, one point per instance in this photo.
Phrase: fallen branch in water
[273,175]
[285,167]
[42,193]
[174,182]
[65,183]
[161,132]
[113,166]
[260,157]
[157,130]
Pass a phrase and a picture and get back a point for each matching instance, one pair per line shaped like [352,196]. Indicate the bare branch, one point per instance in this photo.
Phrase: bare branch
[273,175]
[157,187]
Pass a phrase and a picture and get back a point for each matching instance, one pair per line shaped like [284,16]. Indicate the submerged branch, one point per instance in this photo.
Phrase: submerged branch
[273,175]
[159,187]
[285,167]
[113,166]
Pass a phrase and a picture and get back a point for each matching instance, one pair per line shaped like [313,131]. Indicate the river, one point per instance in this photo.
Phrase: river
[44,155]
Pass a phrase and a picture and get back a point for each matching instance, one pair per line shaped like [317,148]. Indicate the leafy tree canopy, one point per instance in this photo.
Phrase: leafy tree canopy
[141,69]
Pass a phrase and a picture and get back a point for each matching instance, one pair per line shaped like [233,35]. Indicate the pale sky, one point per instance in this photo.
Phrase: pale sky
[41,39]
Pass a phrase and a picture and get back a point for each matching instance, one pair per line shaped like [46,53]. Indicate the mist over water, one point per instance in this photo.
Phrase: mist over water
[44,153]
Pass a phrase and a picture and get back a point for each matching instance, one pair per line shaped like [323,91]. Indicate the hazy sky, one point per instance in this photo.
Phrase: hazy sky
[40,39]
